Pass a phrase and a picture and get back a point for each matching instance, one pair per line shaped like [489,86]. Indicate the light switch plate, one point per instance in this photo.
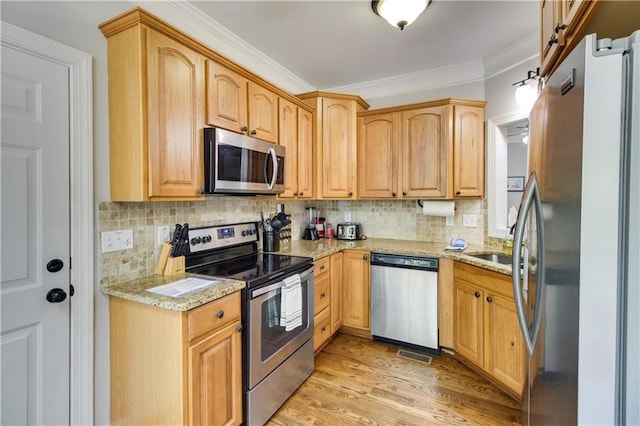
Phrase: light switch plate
[449,221]
[347,216]
[470,220]
[163,234]
[117,240]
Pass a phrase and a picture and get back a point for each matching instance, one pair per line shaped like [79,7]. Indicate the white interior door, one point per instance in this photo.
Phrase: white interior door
[34,150]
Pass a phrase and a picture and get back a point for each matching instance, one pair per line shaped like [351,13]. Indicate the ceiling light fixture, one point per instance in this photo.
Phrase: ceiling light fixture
[399,13]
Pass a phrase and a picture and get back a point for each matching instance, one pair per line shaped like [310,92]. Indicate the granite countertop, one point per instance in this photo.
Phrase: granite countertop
[136,290]
[324,247]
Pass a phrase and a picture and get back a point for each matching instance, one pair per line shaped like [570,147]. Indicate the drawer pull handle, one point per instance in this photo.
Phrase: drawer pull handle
[220,314]
[322,268]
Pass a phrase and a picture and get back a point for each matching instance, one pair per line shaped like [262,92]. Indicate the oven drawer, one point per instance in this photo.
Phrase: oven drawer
[213,315]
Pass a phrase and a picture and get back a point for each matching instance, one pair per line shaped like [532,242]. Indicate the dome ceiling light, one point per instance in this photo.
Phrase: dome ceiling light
[399,13]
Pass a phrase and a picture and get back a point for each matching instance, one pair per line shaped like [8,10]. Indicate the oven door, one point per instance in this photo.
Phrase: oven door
[269,342]
[238,164]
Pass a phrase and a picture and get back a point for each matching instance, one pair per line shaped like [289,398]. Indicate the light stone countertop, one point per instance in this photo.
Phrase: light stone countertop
[136,290]
[324,247]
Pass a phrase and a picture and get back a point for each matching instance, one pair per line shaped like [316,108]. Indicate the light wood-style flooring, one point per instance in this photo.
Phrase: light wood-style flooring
[358,381]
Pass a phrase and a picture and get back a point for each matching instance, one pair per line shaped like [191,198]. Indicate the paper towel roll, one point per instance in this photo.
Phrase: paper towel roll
[438,208]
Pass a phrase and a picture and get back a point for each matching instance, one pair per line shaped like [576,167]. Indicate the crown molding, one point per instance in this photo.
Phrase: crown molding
[190,20]
[519,51]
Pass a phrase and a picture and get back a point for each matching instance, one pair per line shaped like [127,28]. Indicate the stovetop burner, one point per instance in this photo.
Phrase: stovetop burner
[231,252]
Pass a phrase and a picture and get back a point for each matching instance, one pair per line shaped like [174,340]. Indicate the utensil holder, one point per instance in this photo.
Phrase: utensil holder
[271,241]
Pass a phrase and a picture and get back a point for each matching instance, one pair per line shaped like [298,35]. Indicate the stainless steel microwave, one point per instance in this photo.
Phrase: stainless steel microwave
[239,164]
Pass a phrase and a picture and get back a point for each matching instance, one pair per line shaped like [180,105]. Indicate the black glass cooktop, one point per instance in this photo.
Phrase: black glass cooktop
[254,269]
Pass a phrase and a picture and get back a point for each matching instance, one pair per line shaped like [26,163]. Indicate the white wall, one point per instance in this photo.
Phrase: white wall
[500,91]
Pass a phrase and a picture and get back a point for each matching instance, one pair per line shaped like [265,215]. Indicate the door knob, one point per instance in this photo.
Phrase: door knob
[54,265]
[56,295]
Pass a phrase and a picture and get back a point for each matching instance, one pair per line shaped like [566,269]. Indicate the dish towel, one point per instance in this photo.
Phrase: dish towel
[291,303]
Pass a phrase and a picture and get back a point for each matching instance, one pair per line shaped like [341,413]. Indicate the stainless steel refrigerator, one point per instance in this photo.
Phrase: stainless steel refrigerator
[577,240]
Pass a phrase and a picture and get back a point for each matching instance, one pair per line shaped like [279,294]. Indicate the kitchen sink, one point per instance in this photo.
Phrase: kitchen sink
[497,258]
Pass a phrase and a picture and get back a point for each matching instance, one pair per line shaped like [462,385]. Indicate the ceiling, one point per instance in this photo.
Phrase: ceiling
[332,44]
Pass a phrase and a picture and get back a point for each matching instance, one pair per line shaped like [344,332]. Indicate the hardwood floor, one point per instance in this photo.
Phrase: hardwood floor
[358,381]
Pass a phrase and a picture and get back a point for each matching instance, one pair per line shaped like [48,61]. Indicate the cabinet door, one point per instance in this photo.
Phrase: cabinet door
[226,98]
[468,328]
[336,292]
[339,148]
[378,156]
[504,356]
[424,152]
[551,40]
[305,154]
[468,151]
[215,378]
[288,138]
[175,79]
[263,113]
[356,288]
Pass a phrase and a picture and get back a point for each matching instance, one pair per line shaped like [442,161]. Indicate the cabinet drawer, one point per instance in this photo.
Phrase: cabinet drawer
[492,282]
[322,266]
[213,315]
[322,292]
[321,329]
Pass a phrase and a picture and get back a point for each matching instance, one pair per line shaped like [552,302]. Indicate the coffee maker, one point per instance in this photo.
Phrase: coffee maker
[310,232]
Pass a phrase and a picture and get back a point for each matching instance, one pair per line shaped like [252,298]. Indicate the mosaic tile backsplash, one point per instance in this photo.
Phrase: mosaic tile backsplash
[399,219]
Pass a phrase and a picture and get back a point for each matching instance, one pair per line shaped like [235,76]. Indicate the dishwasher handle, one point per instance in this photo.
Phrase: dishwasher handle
[402,261]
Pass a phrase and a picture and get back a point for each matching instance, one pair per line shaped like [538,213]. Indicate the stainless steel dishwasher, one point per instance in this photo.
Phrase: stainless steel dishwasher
[404,299]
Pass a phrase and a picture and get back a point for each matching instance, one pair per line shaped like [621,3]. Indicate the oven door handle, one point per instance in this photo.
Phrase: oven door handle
[262,290]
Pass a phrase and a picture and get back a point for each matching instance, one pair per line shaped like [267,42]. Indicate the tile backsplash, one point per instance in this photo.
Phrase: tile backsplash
[400,219]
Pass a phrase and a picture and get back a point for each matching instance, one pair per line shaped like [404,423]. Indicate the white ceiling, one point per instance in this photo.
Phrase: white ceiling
[333,44]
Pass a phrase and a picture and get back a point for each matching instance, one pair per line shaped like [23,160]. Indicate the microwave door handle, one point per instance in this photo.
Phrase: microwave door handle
[274,161]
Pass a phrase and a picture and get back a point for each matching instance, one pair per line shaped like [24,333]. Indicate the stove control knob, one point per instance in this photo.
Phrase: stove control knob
[206,239]
[195,240]
[244,233]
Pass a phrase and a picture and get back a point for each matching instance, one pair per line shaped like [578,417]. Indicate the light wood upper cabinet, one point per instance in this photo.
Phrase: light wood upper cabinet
[296,135]
[468,151]
[440,152]
[235,103]
[263,113]
[425,152]
[356,289]
[226,98]
[378,172]
[486,329]
[335,141]
[156,106]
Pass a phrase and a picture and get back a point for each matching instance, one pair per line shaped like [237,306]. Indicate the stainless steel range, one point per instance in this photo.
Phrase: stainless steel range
[277,312]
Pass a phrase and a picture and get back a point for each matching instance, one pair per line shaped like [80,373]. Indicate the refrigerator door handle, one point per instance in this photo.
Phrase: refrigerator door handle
[530,198]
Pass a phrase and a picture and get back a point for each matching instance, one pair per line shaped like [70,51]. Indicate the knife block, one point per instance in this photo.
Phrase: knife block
[169,265]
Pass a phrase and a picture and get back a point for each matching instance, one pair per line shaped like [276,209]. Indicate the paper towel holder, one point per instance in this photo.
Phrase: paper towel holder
[420,204]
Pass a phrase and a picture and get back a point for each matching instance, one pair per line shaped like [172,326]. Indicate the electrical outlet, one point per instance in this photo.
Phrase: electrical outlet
[117,240]
[347,216]
[449,221]
[470,220]
[163,234]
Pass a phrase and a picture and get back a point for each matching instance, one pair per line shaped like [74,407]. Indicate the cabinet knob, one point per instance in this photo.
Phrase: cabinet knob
[254,132]
[220,314]
[477,294]
[404,194]
[322,268]
[301,194]
[295,194]
[458,192]
[489,299]
[322,295]
[559,27]
[244,128]
[239,328]
[365,257]
[350,194]
[552,41]
[393,194]
[324,327]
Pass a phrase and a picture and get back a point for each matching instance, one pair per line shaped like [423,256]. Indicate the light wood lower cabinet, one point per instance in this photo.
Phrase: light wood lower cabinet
[486,330]
[356,290]
[171,367]
[327,299]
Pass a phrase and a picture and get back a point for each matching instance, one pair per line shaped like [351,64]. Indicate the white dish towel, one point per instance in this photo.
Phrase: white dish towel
[291,303]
